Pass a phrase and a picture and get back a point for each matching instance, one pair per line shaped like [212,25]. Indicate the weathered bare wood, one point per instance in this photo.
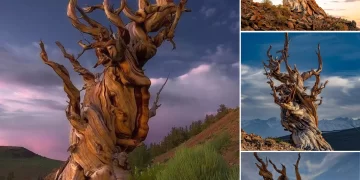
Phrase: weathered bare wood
[298,176]
[263,171]
[298,108]
[267,175]
[307,7]
[155,105]
[112,119]
[282,172]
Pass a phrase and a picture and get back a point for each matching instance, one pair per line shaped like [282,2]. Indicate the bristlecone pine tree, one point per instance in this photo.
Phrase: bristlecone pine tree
[267,175]
[112,119]
[307,7]
[298,107]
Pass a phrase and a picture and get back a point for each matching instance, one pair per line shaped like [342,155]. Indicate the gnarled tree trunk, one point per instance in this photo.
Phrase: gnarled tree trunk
[112,119]
[308,7]
[298,109]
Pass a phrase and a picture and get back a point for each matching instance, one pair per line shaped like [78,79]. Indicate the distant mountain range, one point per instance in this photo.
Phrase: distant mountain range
[272,127]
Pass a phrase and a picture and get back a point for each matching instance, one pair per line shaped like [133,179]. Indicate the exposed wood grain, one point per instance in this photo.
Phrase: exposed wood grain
[112,119]
[298,107]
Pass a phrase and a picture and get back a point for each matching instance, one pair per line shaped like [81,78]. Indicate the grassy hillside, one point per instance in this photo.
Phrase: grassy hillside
[202,162]
[23,164]
[229,123]
[210,154]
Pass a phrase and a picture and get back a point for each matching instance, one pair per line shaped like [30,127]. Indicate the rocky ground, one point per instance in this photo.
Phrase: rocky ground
[253,142]
[265,16]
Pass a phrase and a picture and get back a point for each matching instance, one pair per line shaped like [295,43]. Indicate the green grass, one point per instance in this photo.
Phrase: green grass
[203,162]
[148,173]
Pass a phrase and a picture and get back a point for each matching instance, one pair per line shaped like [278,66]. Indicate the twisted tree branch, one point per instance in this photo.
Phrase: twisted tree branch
[73,109]
[155,105]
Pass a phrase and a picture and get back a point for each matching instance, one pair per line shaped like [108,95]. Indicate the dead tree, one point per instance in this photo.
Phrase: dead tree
[298,108]
[307,7]
[263,171]
[298,176]
[283,175]
[112,119]
[267,175]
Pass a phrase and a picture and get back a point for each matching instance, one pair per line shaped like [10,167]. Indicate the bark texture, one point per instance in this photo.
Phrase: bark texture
[308,7]
[263,168]
[112,119]
[267,175]
[298,106]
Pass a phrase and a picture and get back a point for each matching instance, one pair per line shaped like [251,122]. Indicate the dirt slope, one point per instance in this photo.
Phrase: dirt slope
[230,124]
[264,16]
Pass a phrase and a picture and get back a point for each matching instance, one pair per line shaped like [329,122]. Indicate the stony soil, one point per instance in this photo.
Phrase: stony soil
[264,17]
[253,142]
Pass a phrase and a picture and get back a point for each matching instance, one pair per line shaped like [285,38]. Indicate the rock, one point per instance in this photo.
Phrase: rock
[290,25]
[352,25]
[244,22]
[257,139]
[253,18]
[248,28]
[269,142]
[304,19]
[292,20]
[309,19]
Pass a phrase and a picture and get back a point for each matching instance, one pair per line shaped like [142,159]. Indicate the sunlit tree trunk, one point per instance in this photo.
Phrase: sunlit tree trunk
[298,107]
[112,119]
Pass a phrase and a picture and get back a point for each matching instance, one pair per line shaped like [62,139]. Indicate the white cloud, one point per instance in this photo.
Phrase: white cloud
[234,27]
[235,65]
[204,82]
[207,11]
[343,83]
[318,168]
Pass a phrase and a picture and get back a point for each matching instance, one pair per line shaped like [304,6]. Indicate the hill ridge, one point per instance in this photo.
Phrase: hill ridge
[229,123]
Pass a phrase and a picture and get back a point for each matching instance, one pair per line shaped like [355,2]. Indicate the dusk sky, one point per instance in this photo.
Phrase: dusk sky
[341,66]
[312,166]
[203,70]
[347,9]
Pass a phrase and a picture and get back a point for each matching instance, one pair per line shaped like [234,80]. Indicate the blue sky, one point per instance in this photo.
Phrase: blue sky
[204,70]
[341,66]
[312,166]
